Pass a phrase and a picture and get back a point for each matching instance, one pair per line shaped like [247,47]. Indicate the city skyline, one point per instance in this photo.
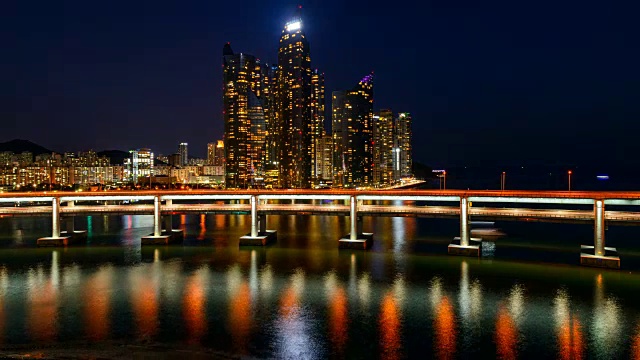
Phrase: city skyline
[474,93]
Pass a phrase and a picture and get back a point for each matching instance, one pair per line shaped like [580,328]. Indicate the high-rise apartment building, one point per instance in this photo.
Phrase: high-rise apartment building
[383,142]
[352,134]
[138,164]
[317,118]
[403,137]
[241,77]
[184,153]
[293,107]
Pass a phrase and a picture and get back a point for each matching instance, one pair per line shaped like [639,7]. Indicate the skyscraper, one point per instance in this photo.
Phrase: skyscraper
[241,77]
[317,119]
[211,153]
[383,140]
[324,159]
[403,137]
[352,131]
[340,133]
[294,107]
[256,139]
[218,156]
[138,164]
[184,154]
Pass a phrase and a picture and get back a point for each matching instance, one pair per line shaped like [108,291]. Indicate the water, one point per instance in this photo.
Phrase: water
[304,299]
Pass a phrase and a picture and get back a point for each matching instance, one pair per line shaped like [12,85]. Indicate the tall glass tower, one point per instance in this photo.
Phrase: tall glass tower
[352,134]
[241,83]
[294,99]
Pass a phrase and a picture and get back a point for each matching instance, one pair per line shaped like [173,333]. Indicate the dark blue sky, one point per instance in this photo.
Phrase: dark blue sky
[494,81]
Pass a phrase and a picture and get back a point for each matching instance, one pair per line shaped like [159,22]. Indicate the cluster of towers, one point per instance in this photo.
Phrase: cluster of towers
[274,118]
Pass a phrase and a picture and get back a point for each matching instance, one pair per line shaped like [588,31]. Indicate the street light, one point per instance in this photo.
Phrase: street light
[503,180]
[569,173]
[444,175]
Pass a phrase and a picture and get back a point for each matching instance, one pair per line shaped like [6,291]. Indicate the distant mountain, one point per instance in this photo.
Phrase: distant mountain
[116,157]
[18,146]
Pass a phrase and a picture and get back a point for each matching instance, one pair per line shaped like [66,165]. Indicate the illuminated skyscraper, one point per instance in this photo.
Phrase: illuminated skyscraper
[352,134]
[339,132]
[184,154]
[241,77]
[383,137]
[317,119]
[403,139]
[218,156]
[294,99]
[138,164]
[256,139]
[324,159]
[269,100]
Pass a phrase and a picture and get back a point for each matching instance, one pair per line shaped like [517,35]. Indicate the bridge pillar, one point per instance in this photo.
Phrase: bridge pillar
[157,238]
[259,235]
[464,244]
[356,238]
[73,234]
[598,255]
[262,219]
[55,239]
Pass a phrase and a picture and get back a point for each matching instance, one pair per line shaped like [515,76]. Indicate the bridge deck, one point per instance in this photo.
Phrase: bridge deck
[480,213]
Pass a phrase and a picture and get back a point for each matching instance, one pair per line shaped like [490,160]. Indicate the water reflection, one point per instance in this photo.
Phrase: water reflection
[338,313]
[294,331]
[506,336]
[390,327]
[4,285]
[444,322]
[635,344]
[144,299]
[203,227]
[43,301]
[568,328]
[96,300]
[240,316]
[193,305]
[605,326]
[469,296]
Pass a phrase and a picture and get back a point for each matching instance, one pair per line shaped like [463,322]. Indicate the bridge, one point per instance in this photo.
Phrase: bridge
[550,206]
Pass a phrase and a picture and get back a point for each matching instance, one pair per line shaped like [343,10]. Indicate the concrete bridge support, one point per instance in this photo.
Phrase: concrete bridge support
[177,235]
[157,238]
[55,239]
[259,235]
[464,244]
[75,236]
[356,239]
[598,255]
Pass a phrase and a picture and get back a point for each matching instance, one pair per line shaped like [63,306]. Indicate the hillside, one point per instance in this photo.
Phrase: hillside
[18,146]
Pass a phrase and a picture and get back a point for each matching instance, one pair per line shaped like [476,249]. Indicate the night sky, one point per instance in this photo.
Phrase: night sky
[487,82]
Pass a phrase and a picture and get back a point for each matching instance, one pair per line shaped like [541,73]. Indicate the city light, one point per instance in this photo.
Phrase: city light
[294,26]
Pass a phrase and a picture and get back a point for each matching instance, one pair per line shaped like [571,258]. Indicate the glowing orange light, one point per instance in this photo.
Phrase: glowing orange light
[506,335]
[43,312]
[570,340]
[390,327]
[96,312]
[240,317]
[635,345]
[193,309]
[145,307]
[445,328]
[338,319]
